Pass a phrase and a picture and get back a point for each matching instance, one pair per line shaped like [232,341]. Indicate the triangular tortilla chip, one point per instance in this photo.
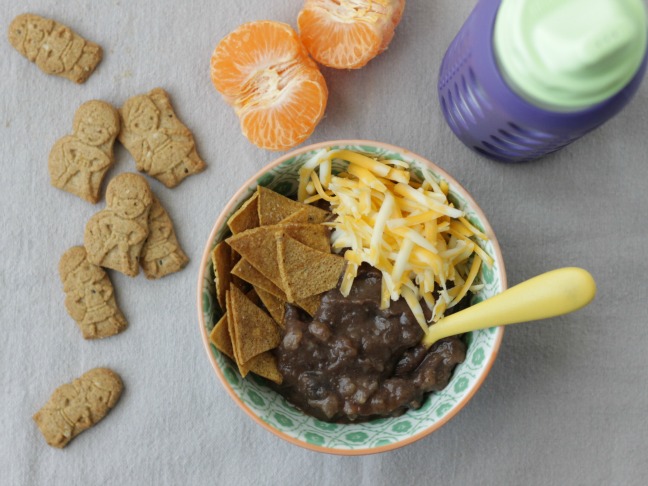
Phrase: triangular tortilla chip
[253,296]
[246,217]
[255,330]
[221,259]
[316,236]
[241,284]
[310,304]
[220,337]
[232,332]
[273,207]
[308,215]
[265,364]
[245,271]
[259,247]
[306,272]
[276,306]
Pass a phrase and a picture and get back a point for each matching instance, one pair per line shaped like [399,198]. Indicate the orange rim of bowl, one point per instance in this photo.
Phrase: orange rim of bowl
[252,182]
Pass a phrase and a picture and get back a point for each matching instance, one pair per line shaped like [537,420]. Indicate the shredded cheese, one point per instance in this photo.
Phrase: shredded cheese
[426,249]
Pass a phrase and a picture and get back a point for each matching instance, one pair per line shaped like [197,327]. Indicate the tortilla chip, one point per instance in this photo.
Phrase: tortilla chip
[232,332]
[246,217]
[310,304]
[221,259]
[240,283]
[304,271]
[308,214]
[259,248]
[276,306]
[273,207]
[254,330]
[265,364]
[220,337]
[315,236]
[245,271]
[235,257]
[253,296]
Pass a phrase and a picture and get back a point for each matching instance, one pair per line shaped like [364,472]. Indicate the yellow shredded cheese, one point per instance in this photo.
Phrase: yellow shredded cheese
[425,248]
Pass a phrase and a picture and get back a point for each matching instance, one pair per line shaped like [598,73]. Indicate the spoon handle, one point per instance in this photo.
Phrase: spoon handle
[548,295]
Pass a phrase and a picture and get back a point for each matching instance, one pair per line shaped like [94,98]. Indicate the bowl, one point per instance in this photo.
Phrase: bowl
[271,410]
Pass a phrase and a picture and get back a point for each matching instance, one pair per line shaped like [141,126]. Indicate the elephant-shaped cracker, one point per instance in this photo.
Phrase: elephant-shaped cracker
[77,406]
[162,146]
[55,48]
[78,162]
[89,296]
[161,254]
[114,236]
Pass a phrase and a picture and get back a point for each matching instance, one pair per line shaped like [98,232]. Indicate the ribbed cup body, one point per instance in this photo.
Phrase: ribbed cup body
[490,118]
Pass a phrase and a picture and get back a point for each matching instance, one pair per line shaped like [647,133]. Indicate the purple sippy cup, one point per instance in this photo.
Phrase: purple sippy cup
[524,78]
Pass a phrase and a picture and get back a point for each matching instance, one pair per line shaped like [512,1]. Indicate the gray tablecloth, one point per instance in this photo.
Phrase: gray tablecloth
[566,401]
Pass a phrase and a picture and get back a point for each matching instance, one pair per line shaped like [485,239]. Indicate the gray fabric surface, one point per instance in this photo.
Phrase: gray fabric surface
[564,404]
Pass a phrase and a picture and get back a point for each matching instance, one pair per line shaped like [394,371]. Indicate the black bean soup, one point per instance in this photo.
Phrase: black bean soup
[353,361]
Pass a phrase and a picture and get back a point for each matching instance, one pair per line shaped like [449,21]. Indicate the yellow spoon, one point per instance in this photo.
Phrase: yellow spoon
[548,295]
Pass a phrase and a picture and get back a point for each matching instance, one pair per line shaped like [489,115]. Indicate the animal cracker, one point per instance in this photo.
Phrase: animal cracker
[89,296]
[114,236]
[77,406]
[162,146]
[161,253]
[54,48]
[78,162]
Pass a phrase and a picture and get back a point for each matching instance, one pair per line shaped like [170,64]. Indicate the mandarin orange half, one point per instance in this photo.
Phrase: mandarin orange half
[263,71]
[347,34]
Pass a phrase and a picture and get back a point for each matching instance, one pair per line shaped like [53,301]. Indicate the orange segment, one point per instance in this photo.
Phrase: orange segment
[249,51]
[263,70]
[287,121]
[347,34]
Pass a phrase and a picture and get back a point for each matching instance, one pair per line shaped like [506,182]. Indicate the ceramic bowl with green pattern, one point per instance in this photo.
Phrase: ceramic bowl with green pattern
[270,409]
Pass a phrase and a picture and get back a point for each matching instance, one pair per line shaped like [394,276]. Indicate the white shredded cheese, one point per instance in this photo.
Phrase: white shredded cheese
[425,248]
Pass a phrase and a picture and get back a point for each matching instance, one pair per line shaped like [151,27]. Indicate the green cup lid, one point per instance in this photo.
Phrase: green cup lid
[569,54]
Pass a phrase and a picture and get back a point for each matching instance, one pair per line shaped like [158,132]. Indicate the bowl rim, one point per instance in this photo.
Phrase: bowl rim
[221,220]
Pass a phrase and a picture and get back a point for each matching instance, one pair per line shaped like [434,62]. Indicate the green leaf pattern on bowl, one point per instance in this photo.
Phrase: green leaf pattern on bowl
[273,409]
